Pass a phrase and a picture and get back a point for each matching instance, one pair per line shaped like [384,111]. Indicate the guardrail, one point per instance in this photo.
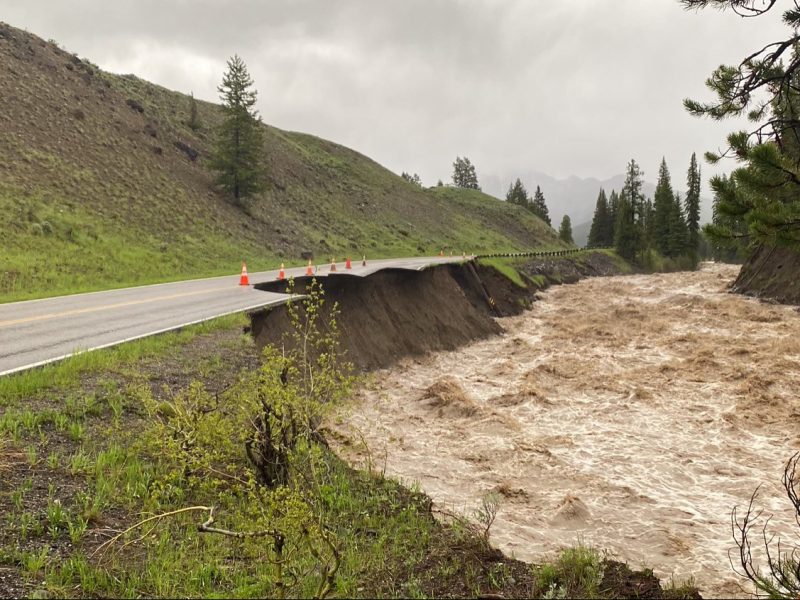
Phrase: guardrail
[540,253]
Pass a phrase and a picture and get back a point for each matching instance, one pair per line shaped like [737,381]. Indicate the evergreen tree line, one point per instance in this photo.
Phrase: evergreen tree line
[517,194]
[634,224]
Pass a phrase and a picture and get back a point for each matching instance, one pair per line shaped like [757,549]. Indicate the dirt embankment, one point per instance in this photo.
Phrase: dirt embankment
[394,314]
[771,273]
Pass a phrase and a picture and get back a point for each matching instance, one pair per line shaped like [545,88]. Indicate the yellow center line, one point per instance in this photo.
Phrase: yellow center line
[81,311]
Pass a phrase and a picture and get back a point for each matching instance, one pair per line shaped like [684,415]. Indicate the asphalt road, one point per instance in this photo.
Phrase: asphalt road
[36,332]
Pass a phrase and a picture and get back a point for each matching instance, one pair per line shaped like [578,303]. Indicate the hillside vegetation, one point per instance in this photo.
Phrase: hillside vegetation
[103,183]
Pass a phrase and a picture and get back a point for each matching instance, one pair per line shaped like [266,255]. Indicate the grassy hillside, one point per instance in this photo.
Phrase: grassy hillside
[100,186]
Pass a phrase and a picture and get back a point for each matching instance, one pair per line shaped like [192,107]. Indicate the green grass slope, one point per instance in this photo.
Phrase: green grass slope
[100,187]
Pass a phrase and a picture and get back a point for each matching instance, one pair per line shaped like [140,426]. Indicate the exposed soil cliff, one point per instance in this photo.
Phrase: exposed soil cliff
[771,273]
[394,314]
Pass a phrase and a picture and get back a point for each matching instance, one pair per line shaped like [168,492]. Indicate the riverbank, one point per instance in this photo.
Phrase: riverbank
[82,462]
[392,315]
[613,412]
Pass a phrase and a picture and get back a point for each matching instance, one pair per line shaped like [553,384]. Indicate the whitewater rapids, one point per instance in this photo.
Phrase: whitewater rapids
[630,413]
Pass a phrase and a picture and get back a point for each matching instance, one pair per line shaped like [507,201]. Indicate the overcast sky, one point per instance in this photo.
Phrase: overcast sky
[565,87]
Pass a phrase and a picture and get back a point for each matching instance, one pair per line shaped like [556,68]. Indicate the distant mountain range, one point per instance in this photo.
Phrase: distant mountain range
[574,196]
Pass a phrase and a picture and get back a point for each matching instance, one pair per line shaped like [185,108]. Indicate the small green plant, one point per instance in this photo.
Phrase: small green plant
[546,577]
[499,575]
[76,528]
[487,512]
[27,523]
[577,572]
[29,419]
[76,431]
[34,562]
[31,455]
[17,498]
[91,407]
[11,425]
[116,405]
[79,462]
[554,592]
[60,422]
[91,507]
[57,518]
[76,570]
[53,461]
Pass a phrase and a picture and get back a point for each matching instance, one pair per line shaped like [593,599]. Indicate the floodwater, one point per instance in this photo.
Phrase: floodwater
[630,413]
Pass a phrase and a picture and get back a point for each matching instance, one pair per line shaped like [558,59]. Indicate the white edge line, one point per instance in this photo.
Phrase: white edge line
[196,321]
[255,275]
[41,363]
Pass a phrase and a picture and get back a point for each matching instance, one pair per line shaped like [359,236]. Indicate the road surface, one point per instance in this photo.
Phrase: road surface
[36,332]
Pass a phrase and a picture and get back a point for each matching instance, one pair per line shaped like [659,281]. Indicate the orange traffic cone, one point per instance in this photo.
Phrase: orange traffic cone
[244,279]
[309,270]
[333,265]
[364,262]
[348,264]
[281,273]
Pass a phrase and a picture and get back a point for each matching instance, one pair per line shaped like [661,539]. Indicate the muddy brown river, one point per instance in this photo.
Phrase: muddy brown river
[629,413]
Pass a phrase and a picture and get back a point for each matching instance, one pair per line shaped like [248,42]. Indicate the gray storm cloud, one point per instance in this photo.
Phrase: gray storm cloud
[567,87]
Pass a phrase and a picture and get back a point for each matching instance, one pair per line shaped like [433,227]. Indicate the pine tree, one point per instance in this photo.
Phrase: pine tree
[763,196]
[517,194]
[240,141]
[194,121]
[597,232]
[539,206]
[634,223]
[693,183]
[663,205]
[565,230]
[728,233]
[611,226]
[626,239]
[464,175]
[648,226]
[632,188]
[677,240]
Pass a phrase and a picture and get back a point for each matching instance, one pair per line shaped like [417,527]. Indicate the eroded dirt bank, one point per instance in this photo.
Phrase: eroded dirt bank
[771,273]
[394,314]
[631,412]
